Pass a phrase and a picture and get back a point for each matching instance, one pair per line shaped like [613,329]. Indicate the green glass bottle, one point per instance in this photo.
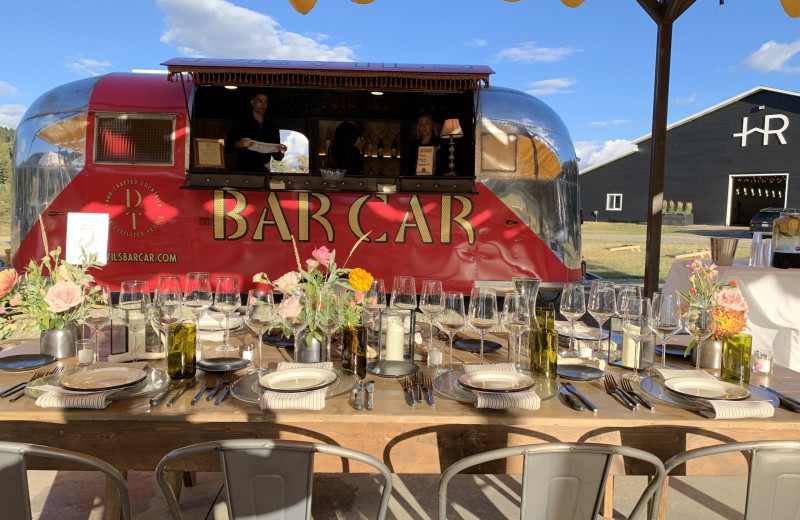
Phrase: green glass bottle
[181,350]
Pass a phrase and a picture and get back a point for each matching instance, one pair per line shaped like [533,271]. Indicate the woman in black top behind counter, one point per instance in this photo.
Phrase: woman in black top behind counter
[426,136]
[343,154]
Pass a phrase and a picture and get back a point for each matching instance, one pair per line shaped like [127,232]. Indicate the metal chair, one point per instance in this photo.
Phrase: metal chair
[268,479]
[561,481]
[773,478]
[14,494]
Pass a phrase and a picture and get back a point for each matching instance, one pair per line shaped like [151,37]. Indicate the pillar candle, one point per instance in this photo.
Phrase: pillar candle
[394,340]
[628,351]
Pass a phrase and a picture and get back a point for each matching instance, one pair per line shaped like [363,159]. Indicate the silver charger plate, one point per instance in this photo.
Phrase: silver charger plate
[392,368]
[447,385]
[22,362]
[155,379]
[694,388]
[247,388]
[99,379]
[654,387]
[579,372]
[220,365]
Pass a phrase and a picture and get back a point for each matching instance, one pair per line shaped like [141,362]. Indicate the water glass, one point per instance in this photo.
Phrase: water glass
[453,318]
[602,305]
[87,355]
[765,259]
[259,317]
[482,314]
[573,307]
[227,301]
[516,320]
[755,249]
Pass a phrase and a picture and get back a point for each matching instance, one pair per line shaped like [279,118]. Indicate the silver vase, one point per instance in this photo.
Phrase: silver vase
[59,343]
[710,354]
[307,348]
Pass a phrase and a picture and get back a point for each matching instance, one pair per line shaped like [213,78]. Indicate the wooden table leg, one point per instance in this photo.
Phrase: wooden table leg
[113,505]
[175,481]
[189,478]
[608,498]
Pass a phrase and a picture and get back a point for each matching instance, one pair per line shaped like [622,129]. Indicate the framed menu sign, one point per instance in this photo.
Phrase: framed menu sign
[425,156]
[209,153]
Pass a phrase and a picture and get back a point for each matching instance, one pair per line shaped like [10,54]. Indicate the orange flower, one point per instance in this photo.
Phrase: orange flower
[8,279]
[728,322]
[360,279]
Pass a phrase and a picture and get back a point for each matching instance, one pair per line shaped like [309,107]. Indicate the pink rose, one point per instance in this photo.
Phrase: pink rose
[311,265]
[8,278]
[351,304]
[16,300]
[290,308]
[63,296]
[322,255]
[731,299]
[288,282]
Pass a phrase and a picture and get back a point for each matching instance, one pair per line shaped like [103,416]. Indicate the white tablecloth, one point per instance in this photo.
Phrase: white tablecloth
[773,296]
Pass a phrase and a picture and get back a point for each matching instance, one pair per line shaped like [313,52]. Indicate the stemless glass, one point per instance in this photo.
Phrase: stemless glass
[626,293]
[197,297]
[430,301]
[260,313]
[452,319]
[665,319]
[573,306]
[516,320]
[134,303]
[404,293]
[99,312]
[374,301]
[329,316]
[227,301]
[482,314]
[167,303]
[701,324]
[635,325]
[602,305]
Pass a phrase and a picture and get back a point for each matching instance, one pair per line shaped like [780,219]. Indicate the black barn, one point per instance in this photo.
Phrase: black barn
[728,161]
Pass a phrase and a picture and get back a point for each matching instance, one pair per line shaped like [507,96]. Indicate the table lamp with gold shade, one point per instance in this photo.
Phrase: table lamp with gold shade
[452,130]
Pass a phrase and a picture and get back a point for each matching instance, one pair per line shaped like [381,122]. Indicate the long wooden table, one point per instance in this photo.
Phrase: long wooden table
[131,435]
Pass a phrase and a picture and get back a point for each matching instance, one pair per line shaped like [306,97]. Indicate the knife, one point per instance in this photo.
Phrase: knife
[587,402]
[370,389]
[781,396]
[186,386]
[358,403]
[573,400]
[156,399]
[13,390]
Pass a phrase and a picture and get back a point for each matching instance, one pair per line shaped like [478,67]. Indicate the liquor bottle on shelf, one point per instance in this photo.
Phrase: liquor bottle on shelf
[369,145]
[328,141]
[394,147]
[380,145]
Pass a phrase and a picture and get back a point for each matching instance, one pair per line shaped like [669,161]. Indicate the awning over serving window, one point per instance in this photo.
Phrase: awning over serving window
[331,74]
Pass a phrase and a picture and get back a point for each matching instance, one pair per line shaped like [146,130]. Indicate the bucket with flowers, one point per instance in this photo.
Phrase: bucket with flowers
[320,297]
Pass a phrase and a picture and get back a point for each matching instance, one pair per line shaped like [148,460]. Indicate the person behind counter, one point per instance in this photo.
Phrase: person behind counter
[426,137]
[343,154]
[250,129]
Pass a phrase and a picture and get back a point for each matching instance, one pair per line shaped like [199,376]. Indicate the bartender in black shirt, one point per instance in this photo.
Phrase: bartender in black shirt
[254,128]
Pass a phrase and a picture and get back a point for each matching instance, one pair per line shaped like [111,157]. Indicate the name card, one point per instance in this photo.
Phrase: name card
[87,232]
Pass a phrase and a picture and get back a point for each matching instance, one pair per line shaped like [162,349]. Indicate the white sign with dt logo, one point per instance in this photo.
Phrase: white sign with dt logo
[87,232]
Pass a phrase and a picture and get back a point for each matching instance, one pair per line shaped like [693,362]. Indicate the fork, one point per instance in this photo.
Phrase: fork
[227,389]
[611,388]
[34,378]
[418,383]
[209,383]
[19,386]
[408,386]
[626,385]
[429,389]
[224,380]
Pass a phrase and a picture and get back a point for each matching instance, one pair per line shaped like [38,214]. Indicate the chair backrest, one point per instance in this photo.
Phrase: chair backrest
[14,495]
[561,481]
[773,478]
[268,479]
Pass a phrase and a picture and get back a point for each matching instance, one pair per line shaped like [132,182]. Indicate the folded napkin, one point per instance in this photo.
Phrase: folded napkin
[527,399]
[599,363]
[718,409]
[128,356]
[58,397]
[311,400]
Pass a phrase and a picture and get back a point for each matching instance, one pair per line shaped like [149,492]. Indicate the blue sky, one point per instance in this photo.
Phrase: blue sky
[594,65]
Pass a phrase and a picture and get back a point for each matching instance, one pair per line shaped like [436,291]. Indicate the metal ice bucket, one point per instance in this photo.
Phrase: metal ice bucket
[723,250]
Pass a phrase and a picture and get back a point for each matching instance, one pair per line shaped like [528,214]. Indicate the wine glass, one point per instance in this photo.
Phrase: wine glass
[98,313]
[573,306]
[134,303]
[635,325]
[167,303]
[329,316]
[452,319]
[430,301]
[404,293]
[260,313]
[516,320]
[227,301]
[665,319]
[197,297]
[602,305]
[701,324]
[482,314]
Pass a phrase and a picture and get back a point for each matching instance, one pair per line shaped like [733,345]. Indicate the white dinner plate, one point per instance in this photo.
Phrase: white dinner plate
[706,389]
[496,381]
[298,379]
[103,378]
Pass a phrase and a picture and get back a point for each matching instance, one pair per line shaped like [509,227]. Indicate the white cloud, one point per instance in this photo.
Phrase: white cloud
[529,52]
[6,89]
[772,56]
[613,122]
[218,28]
[10,115]
[591,153]
[475,42]
[296,144]
[551,86]
[89,67]
[686,100]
